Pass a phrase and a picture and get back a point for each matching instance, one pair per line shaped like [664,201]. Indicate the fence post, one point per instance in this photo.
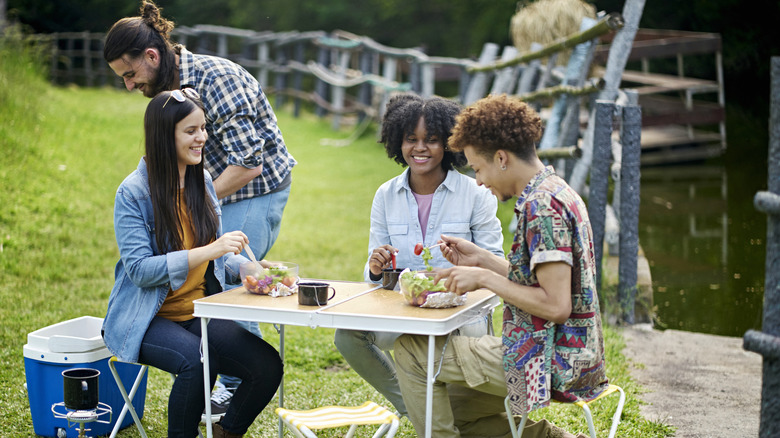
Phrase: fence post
[529,73]
[478,84]
[428,80]
[280,81]
[767,342]
[338,93]
[222,46]
[297,77]
[389,69]
[87,54]
[262,59]
[364,92]
[415,76]
[55,54]
[69,49]
[321,87]
[463,84]
[506,77]
[599,181]
[629,210]
[3,21]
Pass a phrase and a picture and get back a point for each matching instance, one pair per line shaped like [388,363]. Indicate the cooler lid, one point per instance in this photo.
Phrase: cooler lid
[73,336]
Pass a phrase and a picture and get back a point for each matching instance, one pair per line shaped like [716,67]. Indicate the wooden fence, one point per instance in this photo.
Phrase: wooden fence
[339,73]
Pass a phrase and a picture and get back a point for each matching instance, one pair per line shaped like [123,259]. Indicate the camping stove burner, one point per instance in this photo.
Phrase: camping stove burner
[81,417]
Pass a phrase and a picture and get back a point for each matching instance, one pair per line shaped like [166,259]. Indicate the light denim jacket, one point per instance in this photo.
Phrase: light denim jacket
[143,276]
[460,208]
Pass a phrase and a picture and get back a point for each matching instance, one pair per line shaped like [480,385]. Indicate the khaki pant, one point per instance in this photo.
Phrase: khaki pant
[469,392]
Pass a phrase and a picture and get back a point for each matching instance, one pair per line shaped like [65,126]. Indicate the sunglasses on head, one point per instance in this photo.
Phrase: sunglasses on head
[179,95]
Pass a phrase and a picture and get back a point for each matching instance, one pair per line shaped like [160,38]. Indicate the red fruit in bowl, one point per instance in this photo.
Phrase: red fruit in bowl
[418,249]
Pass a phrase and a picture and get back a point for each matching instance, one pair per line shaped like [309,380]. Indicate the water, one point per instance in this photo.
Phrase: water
[705,241]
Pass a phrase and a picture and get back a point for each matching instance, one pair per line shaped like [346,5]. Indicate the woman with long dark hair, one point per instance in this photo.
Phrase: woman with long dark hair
[172,252]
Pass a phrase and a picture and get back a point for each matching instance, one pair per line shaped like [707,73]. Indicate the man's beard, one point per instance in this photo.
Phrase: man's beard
[153,88]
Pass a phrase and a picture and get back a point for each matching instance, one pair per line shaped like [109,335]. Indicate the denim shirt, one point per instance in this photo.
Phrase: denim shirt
[460,208]
[142,275]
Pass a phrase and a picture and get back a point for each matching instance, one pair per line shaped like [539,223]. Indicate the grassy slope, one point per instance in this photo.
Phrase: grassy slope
[64,152]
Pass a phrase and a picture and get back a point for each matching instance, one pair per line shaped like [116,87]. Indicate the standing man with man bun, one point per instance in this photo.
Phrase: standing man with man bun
[245,152]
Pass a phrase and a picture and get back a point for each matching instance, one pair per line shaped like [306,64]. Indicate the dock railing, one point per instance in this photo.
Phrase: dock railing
[767,341]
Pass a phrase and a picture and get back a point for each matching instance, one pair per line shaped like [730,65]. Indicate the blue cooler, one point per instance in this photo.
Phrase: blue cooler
[74,344]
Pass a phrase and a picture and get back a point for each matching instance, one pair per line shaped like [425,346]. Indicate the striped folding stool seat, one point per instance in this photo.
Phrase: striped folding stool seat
[302,423]
[517,431]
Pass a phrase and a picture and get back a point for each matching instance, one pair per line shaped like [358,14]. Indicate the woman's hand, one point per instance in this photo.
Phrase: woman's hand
[460,252]
[380,258]
[232,241]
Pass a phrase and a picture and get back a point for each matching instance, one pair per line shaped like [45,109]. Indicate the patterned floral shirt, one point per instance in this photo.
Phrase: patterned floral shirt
[241,124]
[544,360]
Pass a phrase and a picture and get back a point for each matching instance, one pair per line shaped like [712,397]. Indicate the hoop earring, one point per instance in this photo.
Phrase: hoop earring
[503,167]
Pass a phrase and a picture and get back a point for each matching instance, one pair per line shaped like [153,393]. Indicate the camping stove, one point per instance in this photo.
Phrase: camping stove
[80,417]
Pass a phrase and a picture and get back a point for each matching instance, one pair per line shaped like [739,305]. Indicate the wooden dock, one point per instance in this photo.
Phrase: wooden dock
[683,117]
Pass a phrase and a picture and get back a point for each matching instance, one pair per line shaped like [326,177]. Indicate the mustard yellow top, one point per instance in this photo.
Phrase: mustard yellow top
[178,304]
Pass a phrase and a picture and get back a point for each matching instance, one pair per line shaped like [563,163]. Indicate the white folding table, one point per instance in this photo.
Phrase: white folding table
[356,306]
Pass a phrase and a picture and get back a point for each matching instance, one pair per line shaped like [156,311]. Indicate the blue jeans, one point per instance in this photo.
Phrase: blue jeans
[230,381]
[368,353]
[260,219]
[175,347]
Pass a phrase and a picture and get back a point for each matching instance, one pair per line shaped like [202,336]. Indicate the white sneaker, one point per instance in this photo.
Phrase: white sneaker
[220,399]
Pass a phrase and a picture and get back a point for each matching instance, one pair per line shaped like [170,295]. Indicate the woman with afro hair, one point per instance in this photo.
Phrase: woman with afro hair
[428,199]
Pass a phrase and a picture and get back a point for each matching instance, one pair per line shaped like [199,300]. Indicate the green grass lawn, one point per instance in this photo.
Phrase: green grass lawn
[65,151]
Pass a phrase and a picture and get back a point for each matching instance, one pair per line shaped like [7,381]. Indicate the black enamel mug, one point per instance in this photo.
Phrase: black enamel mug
[314,294]
[80,388]
[390,278]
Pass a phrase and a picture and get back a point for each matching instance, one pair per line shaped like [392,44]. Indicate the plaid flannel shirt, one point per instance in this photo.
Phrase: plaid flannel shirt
[240,122]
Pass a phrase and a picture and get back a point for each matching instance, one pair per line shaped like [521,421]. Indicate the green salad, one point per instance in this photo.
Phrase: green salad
[426,256]
[418,284]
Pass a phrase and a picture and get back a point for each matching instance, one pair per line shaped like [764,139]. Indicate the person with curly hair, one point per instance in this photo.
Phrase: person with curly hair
[552,345]
[428,199]
[245,152]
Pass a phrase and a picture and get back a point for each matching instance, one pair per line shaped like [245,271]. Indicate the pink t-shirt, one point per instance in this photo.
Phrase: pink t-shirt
[423,210]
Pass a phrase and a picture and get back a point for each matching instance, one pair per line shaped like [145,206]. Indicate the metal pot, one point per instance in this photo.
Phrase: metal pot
[80,388]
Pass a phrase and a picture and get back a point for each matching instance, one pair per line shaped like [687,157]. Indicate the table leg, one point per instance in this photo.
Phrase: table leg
[281,384]
[429,388]
[204,348]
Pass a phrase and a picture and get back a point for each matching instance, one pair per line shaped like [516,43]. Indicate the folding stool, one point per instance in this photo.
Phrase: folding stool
[517,431]
[301,423]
